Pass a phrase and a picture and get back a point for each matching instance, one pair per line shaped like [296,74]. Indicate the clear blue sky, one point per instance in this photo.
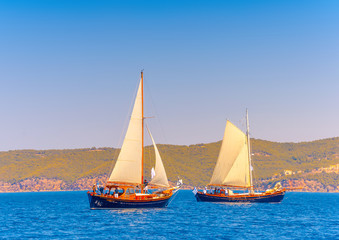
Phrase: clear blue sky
[69,70]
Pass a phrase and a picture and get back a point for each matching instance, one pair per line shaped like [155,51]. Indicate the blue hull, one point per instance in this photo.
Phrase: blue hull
[274,197]
[99,202]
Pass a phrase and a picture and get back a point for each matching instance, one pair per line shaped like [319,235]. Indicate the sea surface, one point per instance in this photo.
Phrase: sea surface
[66,215]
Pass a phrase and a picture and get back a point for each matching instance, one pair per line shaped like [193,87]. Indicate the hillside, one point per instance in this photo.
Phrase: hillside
[307,164]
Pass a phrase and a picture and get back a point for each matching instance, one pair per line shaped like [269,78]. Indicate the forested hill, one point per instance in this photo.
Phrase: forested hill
[310,162]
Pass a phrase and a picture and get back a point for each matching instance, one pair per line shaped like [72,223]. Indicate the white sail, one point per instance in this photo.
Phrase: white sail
[232,166]
[160,178]
[128,167]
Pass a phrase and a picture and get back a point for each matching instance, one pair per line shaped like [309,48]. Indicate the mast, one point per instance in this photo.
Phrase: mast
[249,151]
[142,115]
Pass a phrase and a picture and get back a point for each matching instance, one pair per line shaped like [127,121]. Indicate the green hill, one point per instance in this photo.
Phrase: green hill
[194,163]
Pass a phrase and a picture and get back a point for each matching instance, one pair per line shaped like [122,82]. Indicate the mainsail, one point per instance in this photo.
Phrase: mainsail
[160,178]
[232,168]
[128,167]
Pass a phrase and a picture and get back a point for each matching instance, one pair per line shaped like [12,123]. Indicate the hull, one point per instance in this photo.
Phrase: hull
[102,202]
[260,198]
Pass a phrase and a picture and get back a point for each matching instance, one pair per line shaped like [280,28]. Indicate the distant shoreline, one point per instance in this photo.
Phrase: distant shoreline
[311,166]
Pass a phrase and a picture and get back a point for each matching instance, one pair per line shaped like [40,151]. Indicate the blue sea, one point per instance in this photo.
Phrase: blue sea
[66,215]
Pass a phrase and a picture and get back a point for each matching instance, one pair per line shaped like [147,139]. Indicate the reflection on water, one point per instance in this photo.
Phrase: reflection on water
[243,204]
[135,210]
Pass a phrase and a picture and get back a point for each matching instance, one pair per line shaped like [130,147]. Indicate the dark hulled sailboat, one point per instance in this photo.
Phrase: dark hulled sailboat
[127,179]
[233,171]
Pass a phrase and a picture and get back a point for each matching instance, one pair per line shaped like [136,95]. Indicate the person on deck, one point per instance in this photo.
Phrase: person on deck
[205,190]
[116,193]
[146,189]
[101,189]
[145,183]
[93,188]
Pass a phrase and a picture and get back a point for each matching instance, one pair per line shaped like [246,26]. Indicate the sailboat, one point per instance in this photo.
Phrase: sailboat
[127,186]
[232,180]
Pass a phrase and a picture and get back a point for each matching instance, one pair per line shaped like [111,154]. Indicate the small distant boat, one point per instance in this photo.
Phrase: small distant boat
[126,186]
[232,177]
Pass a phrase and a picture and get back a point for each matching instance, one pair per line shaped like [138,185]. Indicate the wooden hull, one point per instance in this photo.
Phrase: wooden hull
[104,202]
[261,198]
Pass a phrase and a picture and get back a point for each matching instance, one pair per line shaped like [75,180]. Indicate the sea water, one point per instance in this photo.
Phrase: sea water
[66,215]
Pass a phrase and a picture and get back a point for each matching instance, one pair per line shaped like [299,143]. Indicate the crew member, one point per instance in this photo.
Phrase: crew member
[116,193]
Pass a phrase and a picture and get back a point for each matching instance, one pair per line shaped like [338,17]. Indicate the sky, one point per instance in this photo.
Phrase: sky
[69,70]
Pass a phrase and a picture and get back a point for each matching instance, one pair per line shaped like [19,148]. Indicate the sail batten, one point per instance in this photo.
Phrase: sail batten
[232,166]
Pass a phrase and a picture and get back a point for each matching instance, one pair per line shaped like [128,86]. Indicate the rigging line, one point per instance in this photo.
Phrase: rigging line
[242,123]
[123,131]
[163,135]
[173,196]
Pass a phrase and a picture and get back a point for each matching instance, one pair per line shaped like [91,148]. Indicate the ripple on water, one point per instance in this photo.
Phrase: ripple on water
[66,215]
